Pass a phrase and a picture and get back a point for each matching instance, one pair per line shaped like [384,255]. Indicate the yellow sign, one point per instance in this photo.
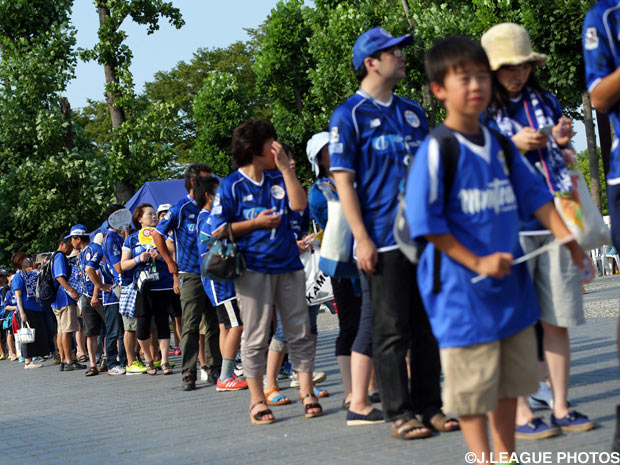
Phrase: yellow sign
[146,236]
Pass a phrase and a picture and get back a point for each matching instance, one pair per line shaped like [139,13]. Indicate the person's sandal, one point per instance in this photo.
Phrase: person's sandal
[82,359]
[150,368]
[166,369]
[92,371]
[439,422]
[312,405]
[257,419]
[279,399]
[402,430]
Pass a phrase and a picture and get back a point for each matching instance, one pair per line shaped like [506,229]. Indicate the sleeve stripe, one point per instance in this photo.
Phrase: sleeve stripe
[433,169]
[594,84]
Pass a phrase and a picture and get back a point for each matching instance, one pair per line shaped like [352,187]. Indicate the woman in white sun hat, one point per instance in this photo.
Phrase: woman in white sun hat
[533,119]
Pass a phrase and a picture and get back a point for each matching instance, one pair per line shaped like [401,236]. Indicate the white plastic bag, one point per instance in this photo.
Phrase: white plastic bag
[25,334]
[318,285]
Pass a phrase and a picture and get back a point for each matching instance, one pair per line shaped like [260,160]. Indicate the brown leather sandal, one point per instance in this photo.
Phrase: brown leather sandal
[409,429]
[166,369]
[313,405]
[439,422]
[150,368]
[258,418]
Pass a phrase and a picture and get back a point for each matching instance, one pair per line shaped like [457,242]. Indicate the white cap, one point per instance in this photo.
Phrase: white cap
[163,207]
[314,146]
[98,238]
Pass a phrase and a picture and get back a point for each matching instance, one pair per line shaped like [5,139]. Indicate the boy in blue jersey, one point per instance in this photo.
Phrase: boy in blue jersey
[221,294]
[374,135]
[181,220]
[90,304]
[113,274]
[485,330]
[601,52]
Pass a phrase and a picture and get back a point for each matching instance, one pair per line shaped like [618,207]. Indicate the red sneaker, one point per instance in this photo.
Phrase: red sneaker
[233,383]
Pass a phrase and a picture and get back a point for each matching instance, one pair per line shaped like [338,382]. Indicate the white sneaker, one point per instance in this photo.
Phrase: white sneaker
[116,371]
[32,365]
[541,399]
[204,375]
[318,377]
[294,379]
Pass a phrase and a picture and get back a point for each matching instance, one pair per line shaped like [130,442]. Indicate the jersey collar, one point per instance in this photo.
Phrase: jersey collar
[262,179]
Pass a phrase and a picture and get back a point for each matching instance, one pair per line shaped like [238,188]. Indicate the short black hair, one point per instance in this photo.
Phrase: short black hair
[193,172]
[450,53]
[113,208]
[248,140]
[362,72]
[204,185]
[63,239]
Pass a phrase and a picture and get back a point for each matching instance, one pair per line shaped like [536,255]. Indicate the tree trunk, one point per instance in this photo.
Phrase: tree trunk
[595,176]
[406,8]
[65,112]
[123,189]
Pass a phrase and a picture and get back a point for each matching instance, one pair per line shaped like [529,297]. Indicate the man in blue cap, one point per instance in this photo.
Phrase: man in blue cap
[373,138]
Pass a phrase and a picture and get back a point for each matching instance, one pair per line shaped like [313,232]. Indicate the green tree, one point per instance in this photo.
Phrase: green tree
[583,162]
[115,57]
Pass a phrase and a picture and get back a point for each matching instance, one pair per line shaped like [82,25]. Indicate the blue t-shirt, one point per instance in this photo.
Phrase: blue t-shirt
[61,269]
[300,222]
[165,281]
[181,220]
[376,141]
[240,198]
[218,291]
[483,213]
[91,257]
[23,281]
[601,52]
[112,251]
[318,203]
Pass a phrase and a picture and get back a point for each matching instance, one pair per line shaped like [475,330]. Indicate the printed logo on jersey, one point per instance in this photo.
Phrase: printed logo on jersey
[251,213]
[384,142]
[591,39]
[191,227]
[115,250]
[375,123]
[168,215]
[498,197]
[217,210]
[277,192]
[248,198]
[336,148]
[88,256]
[412,119]
[216,200]
[334,136]
[192,216]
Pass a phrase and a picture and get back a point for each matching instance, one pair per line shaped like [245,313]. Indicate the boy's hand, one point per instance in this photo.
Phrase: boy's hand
[280,157]
[496,265]
[582,260]
[529,139]
[266,219]
[367,256]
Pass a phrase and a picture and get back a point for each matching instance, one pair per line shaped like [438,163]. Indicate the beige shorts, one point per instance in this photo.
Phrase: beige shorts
[477,376]
[556,280]
[67,319]
[130,324]
[202,328]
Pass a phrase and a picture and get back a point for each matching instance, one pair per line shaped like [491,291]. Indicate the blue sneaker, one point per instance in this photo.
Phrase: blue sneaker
[536,429]
[22,359]
[574,421]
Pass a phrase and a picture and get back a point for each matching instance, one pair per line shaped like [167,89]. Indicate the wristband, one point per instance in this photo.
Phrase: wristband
[137,260]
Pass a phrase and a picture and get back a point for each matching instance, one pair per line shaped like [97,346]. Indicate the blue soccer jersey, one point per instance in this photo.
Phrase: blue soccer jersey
[90,257]
[133,246]
[601,52]
[61,269]
[483,211]
[112,251]
[300,222]
[317,202]
[240,198]
[26,282]
[218,291]
[181,220]
[376,141]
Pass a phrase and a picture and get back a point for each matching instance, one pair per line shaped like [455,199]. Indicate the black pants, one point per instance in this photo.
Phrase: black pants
[40,345]
[348,314]
[400,322]
[152,304]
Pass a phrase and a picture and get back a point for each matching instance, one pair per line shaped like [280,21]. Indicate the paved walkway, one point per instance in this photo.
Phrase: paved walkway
[49,417]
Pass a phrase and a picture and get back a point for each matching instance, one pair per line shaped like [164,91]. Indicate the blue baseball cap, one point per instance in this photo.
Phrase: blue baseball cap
[77,230]
[373,40]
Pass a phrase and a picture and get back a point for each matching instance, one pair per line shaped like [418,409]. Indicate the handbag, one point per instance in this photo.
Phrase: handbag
[336,257]
[25,334]
[581,216]
[223,261]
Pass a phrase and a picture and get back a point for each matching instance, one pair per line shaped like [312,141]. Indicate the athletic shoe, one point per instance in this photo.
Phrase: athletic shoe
[158,364]
[375,417]
[136,368]
[189,384]
[541,399]
[177,351]
[285,371]
[2,357]
[22,359]
[32,365]
[317,377]
[574,421]
[76,365]
[66,367]
[56,359]
[232,383]
[238,369]
[536,429]
[116,370]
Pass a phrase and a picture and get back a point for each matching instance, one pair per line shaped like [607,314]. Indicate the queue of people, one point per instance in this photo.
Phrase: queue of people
[479,193]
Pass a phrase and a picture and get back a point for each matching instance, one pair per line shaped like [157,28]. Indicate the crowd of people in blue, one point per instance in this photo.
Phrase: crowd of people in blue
[479,193]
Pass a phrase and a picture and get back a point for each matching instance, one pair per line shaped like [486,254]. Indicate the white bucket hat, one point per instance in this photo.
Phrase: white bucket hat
[314,146]
[509,44]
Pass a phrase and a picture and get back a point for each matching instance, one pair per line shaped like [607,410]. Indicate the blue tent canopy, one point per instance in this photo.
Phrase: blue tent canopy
[155,193]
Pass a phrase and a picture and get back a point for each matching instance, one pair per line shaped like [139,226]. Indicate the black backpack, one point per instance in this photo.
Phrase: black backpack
[47,288]
[449,151]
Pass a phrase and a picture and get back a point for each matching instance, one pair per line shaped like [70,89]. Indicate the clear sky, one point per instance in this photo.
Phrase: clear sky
[208,24]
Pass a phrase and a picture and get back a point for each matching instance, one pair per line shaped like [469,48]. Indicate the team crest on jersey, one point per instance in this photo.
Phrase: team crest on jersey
[88,256]
[334,136]
[412,119]
[277,192]
[216,200]
[591,39]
